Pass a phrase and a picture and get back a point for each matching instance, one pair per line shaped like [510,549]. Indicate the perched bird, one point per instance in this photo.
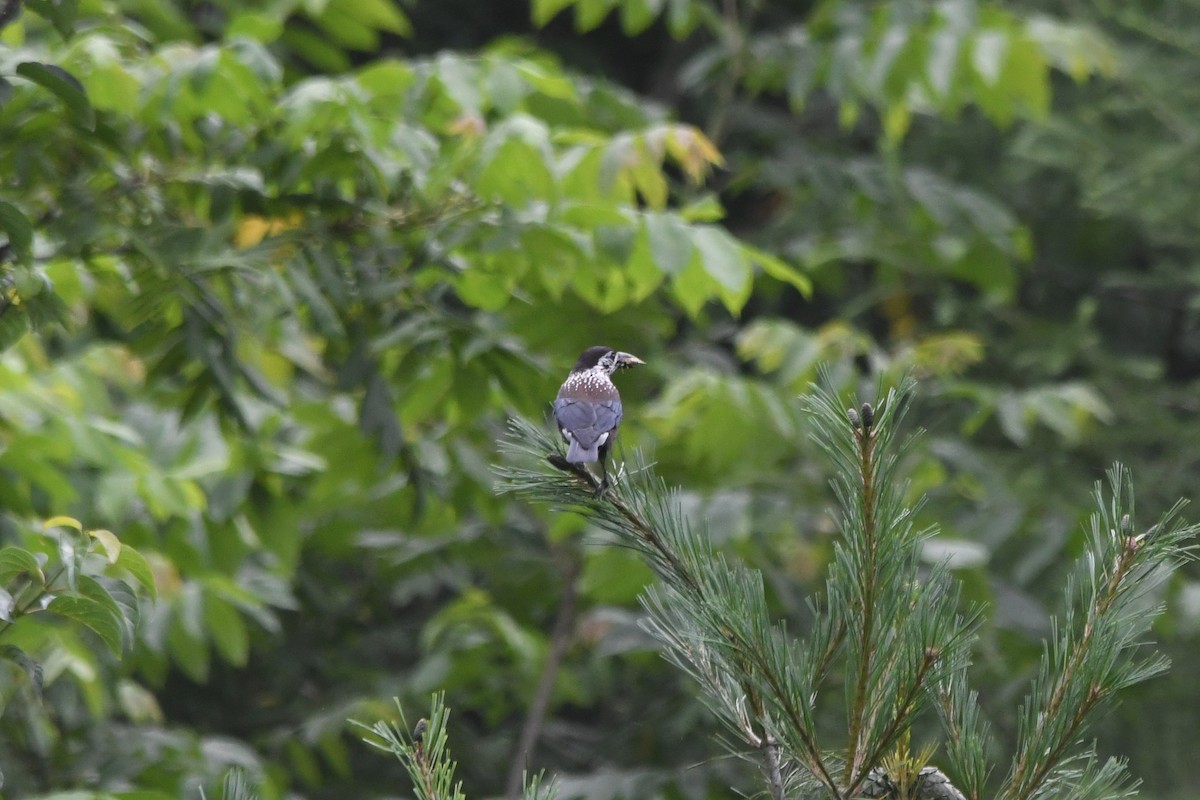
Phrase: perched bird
[588,406]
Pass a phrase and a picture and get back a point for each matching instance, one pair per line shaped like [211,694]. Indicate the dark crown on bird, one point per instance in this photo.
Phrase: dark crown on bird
[606,358]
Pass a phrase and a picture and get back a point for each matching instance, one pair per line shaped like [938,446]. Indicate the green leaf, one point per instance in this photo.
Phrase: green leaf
[260,27]
[316,49]
[1027,78]
[545,10]
[348,31]
[424,392]
[136,565]
[31,667]
[483,289]
[382,15]
[643,273]
[779,269]
[517,174]
[682,17]
[15,561]
[227,629]
[590,13]
[554,254]
[988,54]
[1075,48]
[20,233]
[112,87]
[13,326]
[60,13]
[185,634]
[460,80]
[705,209]
[550,84]
[693,287]
[65,86]
[638,15]
[670,242]
[93,590]
[723,259]
[92,615]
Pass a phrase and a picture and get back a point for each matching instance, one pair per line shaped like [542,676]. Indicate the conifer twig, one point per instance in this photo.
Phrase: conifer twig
[676,570]
[615,508]
[774,773]
[1086,664]
[893,622]
[422,750]
[864,434]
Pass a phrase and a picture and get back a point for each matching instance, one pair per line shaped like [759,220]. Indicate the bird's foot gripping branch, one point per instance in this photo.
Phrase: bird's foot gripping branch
[889,641]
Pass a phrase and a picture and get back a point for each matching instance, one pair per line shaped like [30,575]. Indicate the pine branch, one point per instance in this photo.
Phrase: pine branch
[907,636]
[726,601]
[1087,663]
[422,750]
[864,434]
[968,733]
[236,786]
[893,625]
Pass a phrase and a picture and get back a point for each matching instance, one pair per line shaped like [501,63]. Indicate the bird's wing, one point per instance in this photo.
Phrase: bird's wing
[587,421]
[574,415]
[608,415]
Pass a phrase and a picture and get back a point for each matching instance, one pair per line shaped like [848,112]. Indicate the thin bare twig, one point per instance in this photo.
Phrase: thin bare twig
[560,637]
[774,774]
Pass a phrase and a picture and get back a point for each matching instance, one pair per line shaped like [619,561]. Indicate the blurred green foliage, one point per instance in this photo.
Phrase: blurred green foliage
[272,275]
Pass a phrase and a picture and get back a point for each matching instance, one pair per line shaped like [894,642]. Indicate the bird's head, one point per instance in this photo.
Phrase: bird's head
[606,359]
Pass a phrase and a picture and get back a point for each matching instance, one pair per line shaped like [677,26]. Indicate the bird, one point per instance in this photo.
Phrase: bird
[588,406]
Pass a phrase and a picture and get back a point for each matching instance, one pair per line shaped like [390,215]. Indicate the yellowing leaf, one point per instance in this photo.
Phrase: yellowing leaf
[63,522]
[253,228]
[109,541]
[693,151]
[469,125]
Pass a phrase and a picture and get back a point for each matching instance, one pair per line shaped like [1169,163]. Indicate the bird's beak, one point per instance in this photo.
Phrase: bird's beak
[628,360]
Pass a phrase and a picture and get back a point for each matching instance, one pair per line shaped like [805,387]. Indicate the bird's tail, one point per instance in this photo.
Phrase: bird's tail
[578,455]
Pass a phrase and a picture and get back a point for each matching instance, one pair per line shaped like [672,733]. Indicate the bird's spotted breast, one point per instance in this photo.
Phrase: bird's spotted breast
[593,385]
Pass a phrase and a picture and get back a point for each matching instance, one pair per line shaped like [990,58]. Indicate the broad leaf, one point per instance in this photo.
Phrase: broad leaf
[91,614]
[16,561]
